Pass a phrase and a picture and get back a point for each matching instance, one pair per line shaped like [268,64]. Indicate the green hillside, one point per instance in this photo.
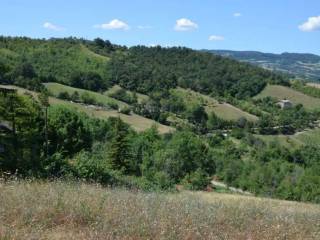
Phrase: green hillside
[222,110]
[56,89]
[58,59]
[282,92]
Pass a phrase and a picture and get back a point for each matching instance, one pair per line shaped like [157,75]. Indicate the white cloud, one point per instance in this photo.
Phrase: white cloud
[113,24]
[312,24]
[216,38]
[52,26]
[185,24]
[142,27]
[237,14]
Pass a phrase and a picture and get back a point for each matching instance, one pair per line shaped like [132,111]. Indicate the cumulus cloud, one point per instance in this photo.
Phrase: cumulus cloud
[216,38]
[312,24]
[184,24]
[237,14]
[52,26]
[113,24]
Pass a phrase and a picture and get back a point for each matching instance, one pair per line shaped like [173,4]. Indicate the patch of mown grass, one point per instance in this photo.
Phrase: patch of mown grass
[65,210]
[56,88]
[222,110]
[282,92]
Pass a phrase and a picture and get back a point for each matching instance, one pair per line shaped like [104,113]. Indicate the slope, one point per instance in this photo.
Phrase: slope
[61,210]
[137,122]
[302,65]
[222,110]
[281,92]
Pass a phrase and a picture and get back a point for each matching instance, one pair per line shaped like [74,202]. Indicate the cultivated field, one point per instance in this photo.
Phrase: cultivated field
[137,122]
[58,210]
[281,92]
[56,88]
[222,110]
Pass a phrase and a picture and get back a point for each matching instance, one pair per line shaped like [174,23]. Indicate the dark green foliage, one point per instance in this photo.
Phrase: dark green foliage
[90,80]
[119,152]
[197,180]
[23,139]
[155,69]
[125,110]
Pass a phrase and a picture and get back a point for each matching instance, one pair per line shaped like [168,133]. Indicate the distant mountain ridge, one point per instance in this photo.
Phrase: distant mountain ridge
[302,65]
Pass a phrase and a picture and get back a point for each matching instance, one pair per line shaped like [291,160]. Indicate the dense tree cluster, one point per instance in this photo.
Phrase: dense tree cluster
[154,69]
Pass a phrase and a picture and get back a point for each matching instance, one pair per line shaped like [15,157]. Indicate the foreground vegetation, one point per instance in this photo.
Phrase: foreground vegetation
[108,151]
[60,210]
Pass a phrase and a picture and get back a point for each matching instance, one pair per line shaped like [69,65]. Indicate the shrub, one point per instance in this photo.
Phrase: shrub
[64,95]
[197,180]
[125,110]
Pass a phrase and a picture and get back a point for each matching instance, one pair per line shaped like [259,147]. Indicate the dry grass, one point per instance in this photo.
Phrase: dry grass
[57,210]
[281,92]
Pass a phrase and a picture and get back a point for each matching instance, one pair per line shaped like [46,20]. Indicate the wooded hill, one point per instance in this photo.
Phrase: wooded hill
[98,64]
[302,65]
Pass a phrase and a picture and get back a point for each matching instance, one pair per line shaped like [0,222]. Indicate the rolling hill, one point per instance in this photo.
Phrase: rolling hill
[222,110]
[282,92]
[306,66]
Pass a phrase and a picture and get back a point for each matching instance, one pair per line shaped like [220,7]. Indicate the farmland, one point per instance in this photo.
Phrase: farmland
[222,110]
[282,92]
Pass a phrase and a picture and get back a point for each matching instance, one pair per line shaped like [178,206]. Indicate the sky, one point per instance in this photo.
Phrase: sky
[261,25]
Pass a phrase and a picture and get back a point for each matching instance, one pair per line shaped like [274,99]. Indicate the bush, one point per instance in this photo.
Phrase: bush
[64,95]
[197,180]
[125,110]
[87,98]
[113,105]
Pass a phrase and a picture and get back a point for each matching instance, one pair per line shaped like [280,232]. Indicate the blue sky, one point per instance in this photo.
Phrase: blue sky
[263,25]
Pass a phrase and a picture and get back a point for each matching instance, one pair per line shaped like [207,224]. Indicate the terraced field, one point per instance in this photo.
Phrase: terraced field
[115,88]
[222,110]
[56,88]
[137,122]
[281,92]
[307,137]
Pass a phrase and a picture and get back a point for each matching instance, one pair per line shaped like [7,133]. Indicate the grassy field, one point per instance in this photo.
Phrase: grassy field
[222,110]
[281,92]
[59,210]
[307,137]
[137,122]
[56,88]
[114,88]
